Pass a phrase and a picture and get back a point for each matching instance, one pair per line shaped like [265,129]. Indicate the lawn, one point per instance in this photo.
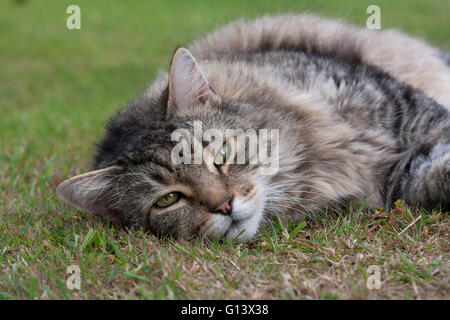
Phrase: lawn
[57,89]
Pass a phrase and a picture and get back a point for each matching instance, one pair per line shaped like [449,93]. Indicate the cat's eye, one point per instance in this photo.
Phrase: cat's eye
[168,200]
[221,156]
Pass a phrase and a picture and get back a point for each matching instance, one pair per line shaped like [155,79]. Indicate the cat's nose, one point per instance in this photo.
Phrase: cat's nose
[224,206]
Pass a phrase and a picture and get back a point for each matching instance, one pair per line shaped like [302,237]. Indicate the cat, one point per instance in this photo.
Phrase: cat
[361,116]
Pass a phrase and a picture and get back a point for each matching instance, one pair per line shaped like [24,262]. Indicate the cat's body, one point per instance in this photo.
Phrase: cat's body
[349,129]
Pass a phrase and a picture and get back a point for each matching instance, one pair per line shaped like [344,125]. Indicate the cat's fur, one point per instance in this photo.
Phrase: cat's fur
[361,115]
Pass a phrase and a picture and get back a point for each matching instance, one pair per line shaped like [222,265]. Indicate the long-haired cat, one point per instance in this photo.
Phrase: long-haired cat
[361,115]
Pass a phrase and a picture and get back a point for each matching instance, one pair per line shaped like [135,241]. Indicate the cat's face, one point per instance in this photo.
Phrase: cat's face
[207,191]
[213,198]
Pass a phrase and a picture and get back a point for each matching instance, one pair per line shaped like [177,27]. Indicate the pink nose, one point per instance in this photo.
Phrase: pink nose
[224,206]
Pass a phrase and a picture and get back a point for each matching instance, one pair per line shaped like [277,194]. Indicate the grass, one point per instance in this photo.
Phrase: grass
[58,88]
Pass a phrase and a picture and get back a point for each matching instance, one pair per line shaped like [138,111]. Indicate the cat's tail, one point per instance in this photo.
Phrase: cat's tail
[408,59]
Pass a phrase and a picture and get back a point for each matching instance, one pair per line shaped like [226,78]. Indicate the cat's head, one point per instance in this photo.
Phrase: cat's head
[160,182]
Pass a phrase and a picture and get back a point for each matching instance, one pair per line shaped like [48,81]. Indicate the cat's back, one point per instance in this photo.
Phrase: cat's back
[405,58]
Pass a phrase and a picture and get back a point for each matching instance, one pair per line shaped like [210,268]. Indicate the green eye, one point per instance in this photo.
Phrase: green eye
[221,156]
[168,200]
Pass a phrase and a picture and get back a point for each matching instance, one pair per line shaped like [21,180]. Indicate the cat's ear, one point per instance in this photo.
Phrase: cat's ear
[188,86]
[89,191]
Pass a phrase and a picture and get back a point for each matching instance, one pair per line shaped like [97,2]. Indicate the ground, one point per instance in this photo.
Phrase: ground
[57,89]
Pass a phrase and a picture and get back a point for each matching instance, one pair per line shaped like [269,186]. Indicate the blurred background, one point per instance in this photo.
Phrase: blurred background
[59,86]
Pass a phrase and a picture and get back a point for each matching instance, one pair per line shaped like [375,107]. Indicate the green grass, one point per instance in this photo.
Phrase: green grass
[58,88]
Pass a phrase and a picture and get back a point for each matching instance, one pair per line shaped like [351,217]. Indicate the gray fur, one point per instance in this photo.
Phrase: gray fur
[446,56]
[350,130]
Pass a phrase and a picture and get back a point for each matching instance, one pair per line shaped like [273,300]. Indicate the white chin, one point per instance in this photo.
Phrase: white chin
[242,225]
[221,224]
[241,230]
[246,220]
[244,230]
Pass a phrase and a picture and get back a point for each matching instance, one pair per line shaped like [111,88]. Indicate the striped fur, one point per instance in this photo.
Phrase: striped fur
[362,115]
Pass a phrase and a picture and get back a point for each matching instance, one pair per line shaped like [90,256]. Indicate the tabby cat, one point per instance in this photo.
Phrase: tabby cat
[361,116]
